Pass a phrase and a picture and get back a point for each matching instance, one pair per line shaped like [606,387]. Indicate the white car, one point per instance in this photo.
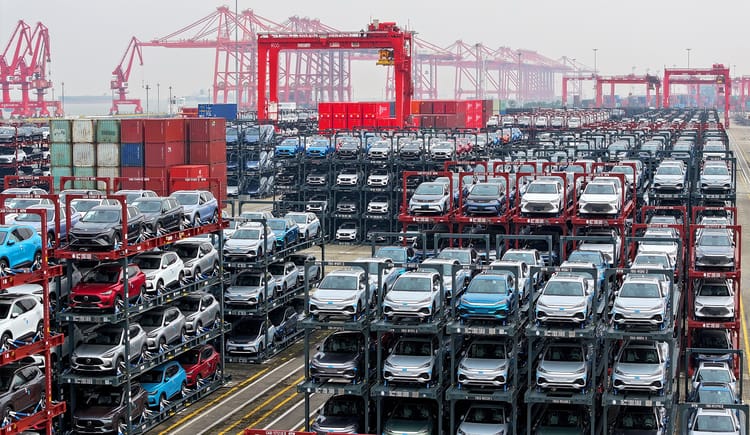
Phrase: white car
[707,421]
[668,246]
[603,195]
[341,293]
[414,295]
[21,316]
[162,269]
[308,223]
[544,196]
[347,232]
[12,155]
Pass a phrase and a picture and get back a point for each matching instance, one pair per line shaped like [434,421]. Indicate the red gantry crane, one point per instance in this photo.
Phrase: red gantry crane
[717,75]
[651,82]
[23,66]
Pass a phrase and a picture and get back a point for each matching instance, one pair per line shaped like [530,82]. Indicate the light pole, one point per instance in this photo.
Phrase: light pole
[147,88]
[157,98]
[169,107]
[595,50]
[63,96]
[688,55]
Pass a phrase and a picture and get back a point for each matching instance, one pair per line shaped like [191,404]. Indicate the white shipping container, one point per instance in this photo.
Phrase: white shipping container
[84,155]
[109,172]
[108,155]
[83,130]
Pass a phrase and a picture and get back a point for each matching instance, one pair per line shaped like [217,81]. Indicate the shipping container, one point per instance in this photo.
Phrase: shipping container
[450,106]
[83,130]
[425,107]
[157,179]
[60,171]
[415,107]
[61,154]
[206,153]
[84,155]
[189,177]
[226,111]
[131,155]
[108,130]
[108,172]
[164,130]
[132,173]
[354,116]
[438,107]
[339,115]
[131,131]
[108,155]
[206,129]
[164,154]
[81,171]
[219,171]
[59,131]
[382,110]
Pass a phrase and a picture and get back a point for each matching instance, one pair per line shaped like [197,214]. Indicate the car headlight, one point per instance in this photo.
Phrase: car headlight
[619,372]
[109,354]
[581,371]
[152,334]
[107,293]
[425,365]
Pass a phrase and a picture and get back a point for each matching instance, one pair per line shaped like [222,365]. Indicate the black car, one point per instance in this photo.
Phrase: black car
[160,213]
[340,357]
[342,414]
[101,227]
[348,150]
[286,177]
[21,388]
[639,421]
[285,319]
[410,151]
[105,409]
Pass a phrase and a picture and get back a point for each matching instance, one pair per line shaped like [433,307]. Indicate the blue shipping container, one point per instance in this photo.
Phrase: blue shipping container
[131,155]
[226,111]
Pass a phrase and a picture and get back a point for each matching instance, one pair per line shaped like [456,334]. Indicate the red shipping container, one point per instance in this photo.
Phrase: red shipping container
[206,129]
[207,153]
[164,130]
[184,177]
[354,116]
[382,110]
[415,107]
[428,121]
[425,107]
[131,172]
[164,155]
[450,106]
[438,107]
[325,122]
[219,171]
[131,131]
[487,106]
[157,179]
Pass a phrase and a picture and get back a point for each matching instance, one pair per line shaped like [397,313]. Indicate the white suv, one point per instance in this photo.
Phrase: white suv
[21,316]
[162,269]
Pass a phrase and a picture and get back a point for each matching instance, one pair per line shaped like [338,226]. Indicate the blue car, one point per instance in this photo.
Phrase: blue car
[319,148]
[20,245]
[163,383]
[594,257]
[232,136]
[490,296]
[199,206]
[289,148]
[285,230]
[35,221]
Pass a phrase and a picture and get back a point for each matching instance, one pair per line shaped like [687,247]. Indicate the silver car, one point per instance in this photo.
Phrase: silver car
[198,257]
[545,196]
[201,310]
[341,293]
[714,372]
[565,299]
[484,364]
[249,242]
[669,176]
[250,288]
[716,177]
[602,195]
[414,295]
[714,248]
[641,366]
[640,300]
[163,326]
[714,299]
[483,419]
[714,422]
[430,198]
[413,360]
[105,350]
[563,365]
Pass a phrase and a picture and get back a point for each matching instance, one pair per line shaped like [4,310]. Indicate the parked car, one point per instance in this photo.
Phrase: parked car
[163,383]
[490,295]
[251,336]
[642,366]
[486,198]
[285,275]
[162,268]
[641,300]
[105,409]
[413,360]
[379,178]
[83,205]
[201,310]
[102,287]
[22,389]
[314,271]
[714,372]
[319,148]
[603,195]
[316,178]
[379,205]
[565,299]
[200,363]
[706,421]
[485,363]
[341,414]
[339,358]
[640,420]
[102,227]
[415,296]
[307,223]
[557,419]
[160,214]
[34,220]
[670,176]
[349,177]
[430,198]
[484,419]
[20,245]
[290,147]
[250,242]
[341,293]
[412,418]
[347,232]
[714,393]
[199,206]
[163,326]
[285,231]
[564,365]
[250,288]
[714,248]
[544,196]
[379,150]
[132,195]
[104,351]
[284,320]
[716,177]
[21,317]
[198,257]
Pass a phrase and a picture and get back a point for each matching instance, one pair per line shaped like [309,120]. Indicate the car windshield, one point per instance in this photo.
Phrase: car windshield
[715,170]
[526,257]
[188,305]
[593,257]
[340,408]
[152,377]
[714,290]
[564,354]
[31,217]
[637,421]
[148,206]
[189,358]
[4,310]
[667,238]
[186,198]
[486,190]
[640,290]
[346,345]
[645,259]
[105,275]
[463,257]
[623,170]
[84,205]
[339,282]
[714,239]
[668,170]
[715,396]
[186,251]
[251,327]
[563,288]
[151,319]
[714,375]
[639,355]
[299,218]
[561,419]
[600,189]
[248,279]
[412,284]
[107,337]
[246,234]
[542,188]
[411,412]
[487,351]
[714,423]
[102,216]
[413,348]
[494,285]
[104,399]
[398,255]
[150,263]
[483,415]
[429,189]
[21,202]
[277,225]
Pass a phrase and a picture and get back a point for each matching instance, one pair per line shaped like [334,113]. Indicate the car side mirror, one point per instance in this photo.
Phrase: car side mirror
[167,379]
[317,347]
[13,315]
[11,242]
[165,266]
[201,255]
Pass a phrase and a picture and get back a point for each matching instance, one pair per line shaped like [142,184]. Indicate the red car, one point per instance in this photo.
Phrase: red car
[463,147]
[102,287]
[199,363]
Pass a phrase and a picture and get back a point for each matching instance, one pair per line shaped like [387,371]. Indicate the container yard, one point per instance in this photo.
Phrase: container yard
[288,259]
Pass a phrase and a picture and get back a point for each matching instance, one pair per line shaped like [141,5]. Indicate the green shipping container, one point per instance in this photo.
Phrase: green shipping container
[108,130]
[84,172]
[61,154]
[61,171]
[59,130]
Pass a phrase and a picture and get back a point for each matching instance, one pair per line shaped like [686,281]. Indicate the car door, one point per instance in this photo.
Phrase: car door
[134,345]
[133,289]
[172,386]
[207,313]
[20,322]
[169,214]
[173,269]
[14,248]
[28,248]
[203,206]
[133,222]
[170,322]
[20,392]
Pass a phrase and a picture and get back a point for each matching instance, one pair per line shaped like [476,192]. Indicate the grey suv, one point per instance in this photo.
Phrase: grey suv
[641,366]
[199,257]
[163,326]
[413,360]
[484,363]
[341,357]
[105,351]
[564,365]
[160,214]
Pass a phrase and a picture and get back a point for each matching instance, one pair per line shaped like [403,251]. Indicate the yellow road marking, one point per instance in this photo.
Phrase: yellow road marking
[213,402]
[270,411]
[259,407]
[744,336]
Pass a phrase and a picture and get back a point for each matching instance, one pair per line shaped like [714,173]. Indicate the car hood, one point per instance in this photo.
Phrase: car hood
[483,198]
[668,178]
[406,427]
[484,298]
[93,350]
[638,369]
[334,358]
[715,301]
[402,297]
[639,303]
[93,288]
[95,412]
[149,387]
[92,227]
[333,295]
[335,424]
[716,178]
[715,250]
[560,301]
[408,361]
[241,243]
[551,430]
[485,364]
[562,366]
[588,197]
[540,197]
[483,428]
[247,290]
[428,197]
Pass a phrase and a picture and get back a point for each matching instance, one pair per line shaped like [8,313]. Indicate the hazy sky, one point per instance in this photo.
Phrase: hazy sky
[88,37]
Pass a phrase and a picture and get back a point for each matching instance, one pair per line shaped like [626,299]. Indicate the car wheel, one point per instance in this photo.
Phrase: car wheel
[216,321]
[198,381]
[215,268]
[116,240]
[159,287]
[162,343]
[143,352]
[307,235]
[157,229]
[119,305]
[184,389]
[119,365]
[50,239]
[162,402]
[215,217]
[196,221]
[198,327]
[180,279]
[4,268]
[37,262]
[4,340]
[197,273]
[121,426]
[6,415]
[40,329]
[183,334]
